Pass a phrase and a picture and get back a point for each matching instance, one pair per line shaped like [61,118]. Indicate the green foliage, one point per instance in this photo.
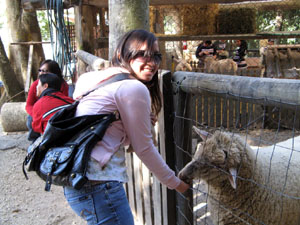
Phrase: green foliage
[291,20]
[266,21]
[44,25]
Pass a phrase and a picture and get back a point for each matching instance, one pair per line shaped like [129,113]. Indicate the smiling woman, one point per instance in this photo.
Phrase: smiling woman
[138,101]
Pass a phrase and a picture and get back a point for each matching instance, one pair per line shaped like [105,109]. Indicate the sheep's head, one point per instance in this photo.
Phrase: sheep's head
[216,159]
[182,65]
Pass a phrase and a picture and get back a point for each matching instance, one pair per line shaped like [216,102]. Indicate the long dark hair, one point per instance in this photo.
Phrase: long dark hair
[53,67]
[126,50]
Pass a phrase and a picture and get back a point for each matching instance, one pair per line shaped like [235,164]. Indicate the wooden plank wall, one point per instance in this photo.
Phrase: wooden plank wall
[214,111]
[145,193]
[147,197]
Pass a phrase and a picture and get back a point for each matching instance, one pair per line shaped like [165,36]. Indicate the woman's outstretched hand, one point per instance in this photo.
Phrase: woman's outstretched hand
[182,187]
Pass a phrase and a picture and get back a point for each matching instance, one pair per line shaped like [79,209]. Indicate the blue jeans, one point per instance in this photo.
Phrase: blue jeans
[103,204]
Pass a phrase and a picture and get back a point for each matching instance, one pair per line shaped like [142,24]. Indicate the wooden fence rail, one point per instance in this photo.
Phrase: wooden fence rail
[224,101]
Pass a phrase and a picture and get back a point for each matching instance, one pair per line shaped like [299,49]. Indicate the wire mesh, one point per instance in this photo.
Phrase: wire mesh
[264,148]
[189,25]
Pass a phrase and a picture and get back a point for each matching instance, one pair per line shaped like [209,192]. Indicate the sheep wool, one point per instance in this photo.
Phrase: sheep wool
[222,66]
[247,185]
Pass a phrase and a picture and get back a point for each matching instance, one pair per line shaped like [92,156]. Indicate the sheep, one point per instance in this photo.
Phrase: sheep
[247,186]
[182,65]
[222,66]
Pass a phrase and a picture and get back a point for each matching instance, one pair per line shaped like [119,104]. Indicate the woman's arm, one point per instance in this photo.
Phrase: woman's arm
[32,98]
[37,117]
[133,102]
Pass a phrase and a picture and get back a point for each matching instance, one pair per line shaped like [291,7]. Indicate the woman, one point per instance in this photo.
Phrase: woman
[103,199]
[240,53]
[47,66]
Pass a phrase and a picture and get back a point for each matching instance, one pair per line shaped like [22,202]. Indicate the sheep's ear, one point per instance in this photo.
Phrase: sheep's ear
[232,177]
[203,134]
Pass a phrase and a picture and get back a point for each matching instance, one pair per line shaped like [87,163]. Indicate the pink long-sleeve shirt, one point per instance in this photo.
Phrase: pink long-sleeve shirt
[131,99]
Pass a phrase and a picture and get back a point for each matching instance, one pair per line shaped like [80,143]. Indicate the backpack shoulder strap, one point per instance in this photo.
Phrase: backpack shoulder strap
[57,97]
[114,78]
[54,110]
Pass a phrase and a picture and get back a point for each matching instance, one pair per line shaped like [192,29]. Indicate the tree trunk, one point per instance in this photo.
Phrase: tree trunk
[126,15]
[84,28]
[23,27]
[8,77]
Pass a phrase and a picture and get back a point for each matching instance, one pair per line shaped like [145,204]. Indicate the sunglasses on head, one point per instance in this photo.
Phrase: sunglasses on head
[156,56]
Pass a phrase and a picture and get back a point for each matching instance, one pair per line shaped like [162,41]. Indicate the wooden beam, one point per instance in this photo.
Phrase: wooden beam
[29,68]
[94,62]
[40,4]
[162,37]
[180,2]
[30,43]
[264,35]
[104,3]
[266,91]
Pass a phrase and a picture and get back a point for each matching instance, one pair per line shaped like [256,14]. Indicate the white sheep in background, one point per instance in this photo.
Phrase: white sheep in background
[222,66]
[247,185]
[182,65]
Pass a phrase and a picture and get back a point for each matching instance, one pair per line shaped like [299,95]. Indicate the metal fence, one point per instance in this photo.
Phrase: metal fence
[181,28]
[271,173]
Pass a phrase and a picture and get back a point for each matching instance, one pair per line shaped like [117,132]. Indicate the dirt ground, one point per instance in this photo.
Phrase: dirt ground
[24,202]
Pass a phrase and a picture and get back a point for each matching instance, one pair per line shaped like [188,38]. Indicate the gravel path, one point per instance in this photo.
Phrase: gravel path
[24,202]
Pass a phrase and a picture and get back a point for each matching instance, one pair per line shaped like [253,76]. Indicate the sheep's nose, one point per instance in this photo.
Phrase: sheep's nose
[184,178]
[181,176]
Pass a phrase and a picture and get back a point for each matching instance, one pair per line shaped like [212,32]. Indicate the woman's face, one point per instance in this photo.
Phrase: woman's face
[146,66]
[43,69]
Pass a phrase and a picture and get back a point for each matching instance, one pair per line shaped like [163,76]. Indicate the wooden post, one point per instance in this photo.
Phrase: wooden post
[167,147]
[277,63]
[94,62]
[183,149]
[85,21]
[29,67]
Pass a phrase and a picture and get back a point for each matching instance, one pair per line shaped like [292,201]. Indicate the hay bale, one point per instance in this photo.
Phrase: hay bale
[187,19]
[199,19]
[14,116]
[236,21]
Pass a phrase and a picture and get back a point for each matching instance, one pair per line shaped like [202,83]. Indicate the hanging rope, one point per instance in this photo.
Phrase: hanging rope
[61,46]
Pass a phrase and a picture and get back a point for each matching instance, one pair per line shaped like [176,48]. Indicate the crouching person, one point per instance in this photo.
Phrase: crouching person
[51,100]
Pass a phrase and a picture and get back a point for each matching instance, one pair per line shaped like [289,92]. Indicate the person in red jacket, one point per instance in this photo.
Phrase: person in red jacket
[47,66]
[50,100]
